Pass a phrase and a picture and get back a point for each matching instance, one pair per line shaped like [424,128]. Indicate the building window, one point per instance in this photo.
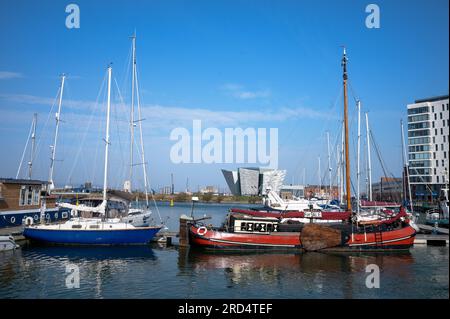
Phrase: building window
[442,147]
[434,140]
[437,163]
[443,163]
[419,133]
[444,138]
[442,131]
[440,115]
[418,118]
[443,107]
[437,148]
[445,154]
[435,116]
[432,123]
[434,171]
[424,109]
[437,178]
[29,195]
[443,122]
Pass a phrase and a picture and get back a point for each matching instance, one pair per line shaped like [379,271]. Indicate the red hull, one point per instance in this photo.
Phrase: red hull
[395,239]
[399,239]
[223,240]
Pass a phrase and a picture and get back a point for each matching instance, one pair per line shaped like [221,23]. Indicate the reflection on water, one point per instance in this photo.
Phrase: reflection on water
[310,274]
[143,272]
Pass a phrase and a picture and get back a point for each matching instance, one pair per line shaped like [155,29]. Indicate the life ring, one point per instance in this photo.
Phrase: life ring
[29,221]
[202,231]
[13,220]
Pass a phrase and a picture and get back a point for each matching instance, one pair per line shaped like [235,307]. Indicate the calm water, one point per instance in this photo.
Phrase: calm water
[154,272]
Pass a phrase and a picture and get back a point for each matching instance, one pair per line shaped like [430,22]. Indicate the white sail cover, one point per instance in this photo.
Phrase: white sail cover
[83,208]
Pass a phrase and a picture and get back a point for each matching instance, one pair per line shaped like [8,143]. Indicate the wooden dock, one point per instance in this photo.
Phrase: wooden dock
[431,240]
[16,232]
[432,229]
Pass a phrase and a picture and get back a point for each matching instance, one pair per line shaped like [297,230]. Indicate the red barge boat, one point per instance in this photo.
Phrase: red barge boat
[258,232]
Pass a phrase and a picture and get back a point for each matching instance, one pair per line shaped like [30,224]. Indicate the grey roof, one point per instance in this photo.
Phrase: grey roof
[433,99]
[22,181]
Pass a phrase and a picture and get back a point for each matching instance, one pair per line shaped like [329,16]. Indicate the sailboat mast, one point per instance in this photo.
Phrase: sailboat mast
[406,167]
[320,180]
[133,81]
[33,145]
[53,147]
[144,164]
[108,108]
[329,161]
[369,164]
[347,157]
[338,172]
[358,172]
[341,166]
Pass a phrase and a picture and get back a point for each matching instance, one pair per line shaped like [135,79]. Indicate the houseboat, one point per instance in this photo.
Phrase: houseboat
[27,201]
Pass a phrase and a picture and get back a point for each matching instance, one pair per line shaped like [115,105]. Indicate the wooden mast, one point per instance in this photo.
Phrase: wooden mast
[347,157]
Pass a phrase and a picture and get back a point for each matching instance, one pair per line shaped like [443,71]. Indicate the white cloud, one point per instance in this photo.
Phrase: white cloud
[239,92]
[10,75]
[167,117]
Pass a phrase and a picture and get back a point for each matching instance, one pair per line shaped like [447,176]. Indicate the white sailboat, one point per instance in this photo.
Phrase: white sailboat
[100,229]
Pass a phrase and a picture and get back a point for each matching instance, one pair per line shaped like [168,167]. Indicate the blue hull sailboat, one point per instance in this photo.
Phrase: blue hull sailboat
[91,232]
[100,228]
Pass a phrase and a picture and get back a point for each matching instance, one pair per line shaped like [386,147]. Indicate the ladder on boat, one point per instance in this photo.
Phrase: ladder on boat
[378,238]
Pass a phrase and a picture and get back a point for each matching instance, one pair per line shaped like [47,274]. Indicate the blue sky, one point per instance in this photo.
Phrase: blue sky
[259,64]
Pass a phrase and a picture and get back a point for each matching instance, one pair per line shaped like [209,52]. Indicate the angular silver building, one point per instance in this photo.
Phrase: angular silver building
[253,181]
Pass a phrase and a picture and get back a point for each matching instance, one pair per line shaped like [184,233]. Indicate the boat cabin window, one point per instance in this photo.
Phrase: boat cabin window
[254,226]
[93,226]
[29,195]
[76,226]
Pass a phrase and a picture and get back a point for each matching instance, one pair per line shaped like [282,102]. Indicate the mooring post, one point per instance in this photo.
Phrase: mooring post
[184,229]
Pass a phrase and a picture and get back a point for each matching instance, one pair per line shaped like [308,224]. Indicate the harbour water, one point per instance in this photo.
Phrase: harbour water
[160,273]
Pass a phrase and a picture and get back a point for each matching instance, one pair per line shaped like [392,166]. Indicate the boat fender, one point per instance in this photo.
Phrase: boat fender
[202,230]
[29,221]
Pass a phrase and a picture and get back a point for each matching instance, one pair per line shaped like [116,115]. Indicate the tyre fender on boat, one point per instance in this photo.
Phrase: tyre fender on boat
[29,221]
[202,231]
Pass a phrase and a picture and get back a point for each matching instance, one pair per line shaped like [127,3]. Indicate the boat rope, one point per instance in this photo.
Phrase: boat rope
[43,130]
[83,139]
[24,151]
